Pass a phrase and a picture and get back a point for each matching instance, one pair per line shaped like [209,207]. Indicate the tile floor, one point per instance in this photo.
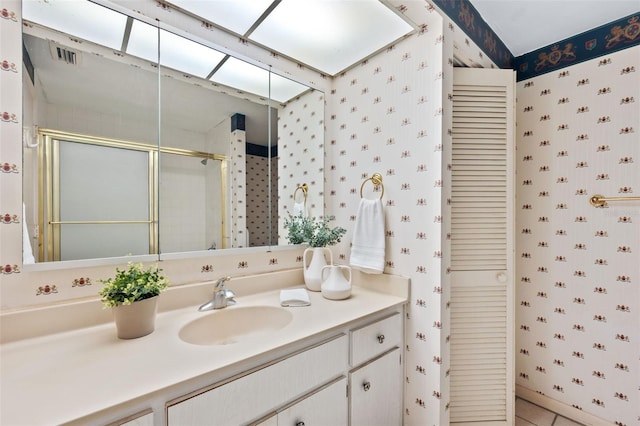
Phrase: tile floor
[528,414]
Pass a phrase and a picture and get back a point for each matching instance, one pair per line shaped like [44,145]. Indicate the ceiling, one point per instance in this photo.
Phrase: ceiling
[327,35]
[527,25]
[332,35]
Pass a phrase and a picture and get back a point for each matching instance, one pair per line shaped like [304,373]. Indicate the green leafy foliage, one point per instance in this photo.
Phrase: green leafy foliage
[300,229]
[315,232]
[132,285]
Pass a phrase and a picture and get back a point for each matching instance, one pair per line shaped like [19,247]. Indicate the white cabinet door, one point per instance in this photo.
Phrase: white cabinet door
[327,407]
[376,392]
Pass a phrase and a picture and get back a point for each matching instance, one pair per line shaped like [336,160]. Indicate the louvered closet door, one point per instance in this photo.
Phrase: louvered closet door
[482,265]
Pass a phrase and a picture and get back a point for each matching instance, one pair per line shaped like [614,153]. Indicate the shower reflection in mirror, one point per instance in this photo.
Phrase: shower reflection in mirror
[103,190]
[148,140]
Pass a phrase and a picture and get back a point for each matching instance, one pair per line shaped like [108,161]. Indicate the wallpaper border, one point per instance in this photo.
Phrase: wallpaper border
[469,20]
[603,40]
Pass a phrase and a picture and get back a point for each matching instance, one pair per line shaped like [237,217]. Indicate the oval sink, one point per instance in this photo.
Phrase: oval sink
[231,325]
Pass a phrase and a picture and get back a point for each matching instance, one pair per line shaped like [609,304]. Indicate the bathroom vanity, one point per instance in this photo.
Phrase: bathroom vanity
[334,362]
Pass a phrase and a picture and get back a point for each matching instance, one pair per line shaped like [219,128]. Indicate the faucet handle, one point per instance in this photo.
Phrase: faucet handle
[221,281]
[230,296]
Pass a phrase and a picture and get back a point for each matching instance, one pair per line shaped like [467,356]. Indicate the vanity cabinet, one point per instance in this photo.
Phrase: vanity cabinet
[309,372]
[352,378]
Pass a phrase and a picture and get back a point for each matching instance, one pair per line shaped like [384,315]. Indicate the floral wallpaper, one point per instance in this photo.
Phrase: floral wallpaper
[385,117]
[238,188]
[301,142]
[258,202]
[577,293]
[10,129]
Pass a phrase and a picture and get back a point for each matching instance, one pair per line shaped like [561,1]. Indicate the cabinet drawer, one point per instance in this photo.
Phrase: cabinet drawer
[328,406]
[371,340]
[254,395]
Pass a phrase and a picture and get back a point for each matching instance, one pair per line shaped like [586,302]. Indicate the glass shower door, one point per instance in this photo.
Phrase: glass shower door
[101,201]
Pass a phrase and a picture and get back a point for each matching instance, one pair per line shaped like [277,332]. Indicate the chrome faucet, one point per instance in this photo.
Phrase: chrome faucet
[222,297]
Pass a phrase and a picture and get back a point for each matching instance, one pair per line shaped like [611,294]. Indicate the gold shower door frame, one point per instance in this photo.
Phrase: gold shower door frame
[49,187]
[50,202]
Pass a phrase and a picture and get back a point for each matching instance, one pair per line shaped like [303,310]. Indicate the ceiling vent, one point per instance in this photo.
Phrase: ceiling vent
[64,54]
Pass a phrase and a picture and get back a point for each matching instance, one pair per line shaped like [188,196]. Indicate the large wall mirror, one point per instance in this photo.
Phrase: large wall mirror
[139,140]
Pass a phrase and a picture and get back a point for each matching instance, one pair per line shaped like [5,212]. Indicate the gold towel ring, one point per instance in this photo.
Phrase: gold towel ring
[304,188]
[376,179]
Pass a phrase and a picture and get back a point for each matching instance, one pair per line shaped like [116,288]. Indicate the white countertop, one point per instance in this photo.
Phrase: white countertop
[65,376]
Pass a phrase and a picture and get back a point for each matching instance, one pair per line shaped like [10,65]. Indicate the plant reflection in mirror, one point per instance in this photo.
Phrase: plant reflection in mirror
[315,232]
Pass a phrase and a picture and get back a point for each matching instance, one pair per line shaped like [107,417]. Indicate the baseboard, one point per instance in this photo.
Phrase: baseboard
[560,408]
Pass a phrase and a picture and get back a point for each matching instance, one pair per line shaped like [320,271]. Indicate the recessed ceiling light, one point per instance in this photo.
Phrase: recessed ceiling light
[188,56]
[284,89]
[330,35]
[252,79]
[243,76]
[176,52]
[143,41]
[235,15]
[84,20]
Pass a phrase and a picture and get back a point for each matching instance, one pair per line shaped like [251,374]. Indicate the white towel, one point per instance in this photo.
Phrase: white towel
[299,209]
[294,297]
[367,245]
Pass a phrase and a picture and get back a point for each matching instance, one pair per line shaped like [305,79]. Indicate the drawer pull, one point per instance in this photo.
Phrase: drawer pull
[381,338]
[301,423]
[366,386]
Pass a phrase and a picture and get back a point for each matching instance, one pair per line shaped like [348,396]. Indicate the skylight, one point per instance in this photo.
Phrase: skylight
[82,19]
[237,16]
[330,35]
[327,35]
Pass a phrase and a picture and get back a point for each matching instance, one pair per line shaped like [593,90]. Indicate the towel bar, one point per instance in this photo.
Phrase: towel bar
[600,200]
[376,179]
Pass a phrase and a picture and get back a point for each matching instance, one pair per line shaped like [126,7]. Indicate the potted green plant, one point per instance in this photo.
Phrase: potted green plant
[133,296]
[318,234]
